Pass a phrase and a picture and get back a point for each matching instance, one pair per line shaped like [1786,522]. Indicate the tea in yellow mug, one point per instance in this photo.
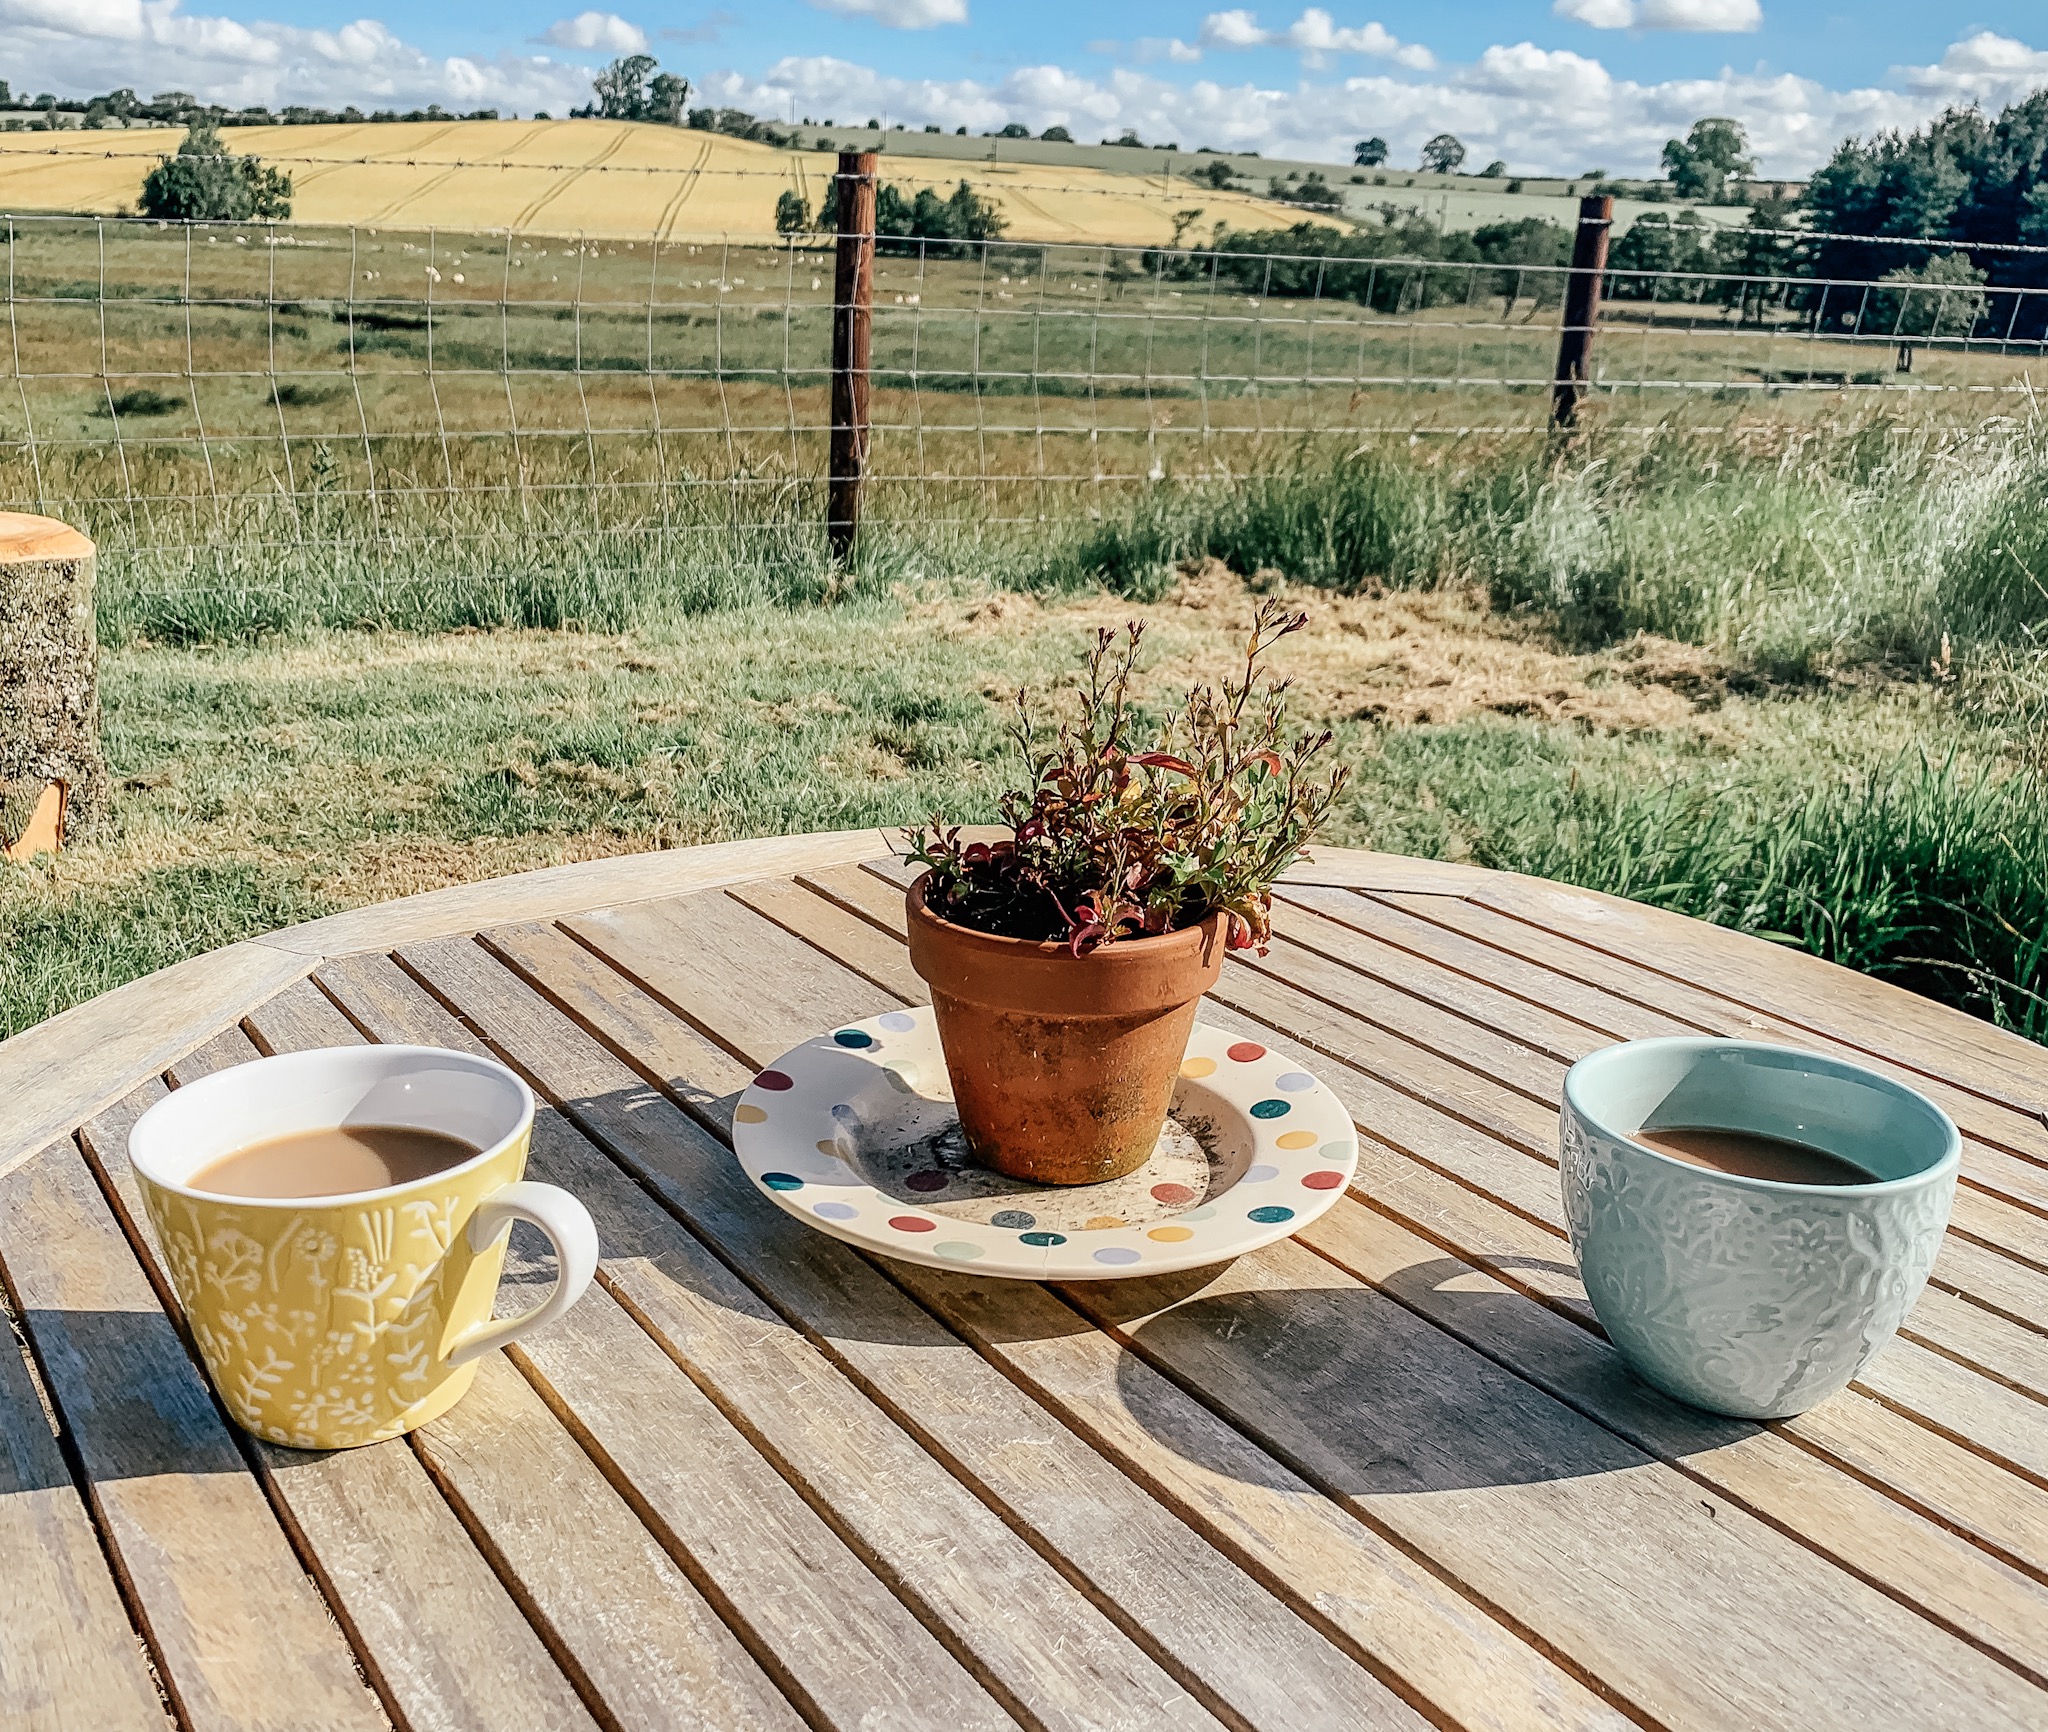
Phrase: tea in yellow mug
[331,1321]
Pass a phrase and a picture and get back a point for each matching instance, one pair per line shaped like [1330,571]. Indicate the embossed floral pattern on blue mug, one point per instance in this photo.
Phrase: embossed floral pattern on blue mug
[1750,1296]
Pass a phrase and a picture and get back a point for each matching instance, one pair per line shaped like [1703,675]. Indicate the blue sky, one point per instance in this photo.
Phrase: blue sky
[1548,85]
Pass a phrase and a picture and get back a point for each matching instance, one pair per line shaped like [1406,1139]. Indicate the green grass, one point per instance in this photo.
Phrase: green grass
[1898,826]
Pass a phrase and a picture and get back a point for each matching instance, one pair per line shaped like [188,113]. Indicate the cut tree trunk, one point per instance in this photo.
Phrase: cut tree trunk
[49,685]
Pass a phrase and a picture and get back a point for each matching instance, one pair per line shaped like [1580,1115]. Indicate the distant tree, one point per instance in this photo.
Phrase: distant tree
[1494,170]
[1183,220]
[1217,174]
[1442,154]
[1128,138]
[1057,135]
[1369,153]
[925,222]
[1660,247]
[1015,129]
[792,214]
[1701,164]
[205,183]
[1942,298]
[667,93]
[621,88]
[633,88]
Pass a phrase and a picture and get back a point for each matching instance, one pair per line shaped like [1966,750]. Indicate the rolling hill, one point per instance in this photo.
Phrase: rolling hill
[594,177]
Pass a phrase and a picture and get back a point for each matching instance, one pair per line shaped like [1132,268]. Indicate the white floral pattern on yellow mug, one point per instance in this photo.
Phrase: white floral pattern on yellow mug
[327,1322]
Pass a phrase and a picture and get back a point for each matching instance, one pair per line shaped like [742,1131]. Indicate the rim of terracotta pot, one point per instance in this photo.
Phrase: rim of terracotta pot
[1133,976]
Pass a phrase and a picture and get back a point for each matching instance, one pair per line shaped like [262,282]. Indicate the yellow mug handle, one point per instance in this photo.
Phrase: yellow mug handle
[570,1230]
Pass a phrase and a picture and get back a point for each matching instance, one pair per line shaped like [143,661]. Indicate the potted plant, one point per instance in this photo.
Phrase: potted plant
[1067,961]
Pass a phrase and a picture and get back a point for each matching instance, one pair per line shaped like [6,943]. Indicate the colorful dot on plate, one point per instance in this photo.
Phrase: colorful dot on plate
[1294,1082]
[1099,1223]
[958,1251]
[1261,1174]
[835,1211]
[1270,1109]
[1170,1235]
[1295,1140]
[1246,1052]
[1335,1151]
[1271,1214]
[854,1037]
[1198,1067]
[930,1179]
[845,1114]
[1207,1212]
[1013,1219]
[774,1081]
[898,1021]
[782,1181]
[1043,1239]
[902,1077]
[1116,1254]
[1323,1181]
[829,1146]
[749,1114]
[912,1224]
[1173,1193]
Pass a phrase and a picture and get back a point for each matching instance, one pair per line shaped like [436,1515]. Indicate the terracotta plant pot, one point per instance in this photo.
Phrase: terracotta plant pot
[1062,1065]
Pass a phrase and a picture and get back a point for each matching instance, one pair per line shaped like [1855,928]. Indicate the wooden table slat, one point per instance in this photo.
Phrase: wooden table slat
[71,1661]
[1865,1012]
[1577,973]
[240,1637]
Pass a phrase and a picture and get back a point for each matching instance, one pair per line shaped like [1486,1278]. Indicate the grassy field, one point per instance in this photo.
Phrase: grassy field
[1794,688]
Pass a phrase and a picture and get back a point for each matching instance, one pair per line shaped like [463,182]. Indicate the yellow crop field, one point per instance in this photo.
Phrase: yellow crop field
[596,177]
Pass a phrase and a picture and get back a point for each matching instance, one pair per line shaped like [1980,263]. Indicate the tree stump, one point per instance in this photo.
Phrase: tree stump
[53,780]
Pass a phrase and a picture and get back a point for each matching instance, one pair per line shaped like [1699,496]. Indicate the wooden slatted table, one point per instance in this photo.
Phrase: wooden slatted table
[1386,1474]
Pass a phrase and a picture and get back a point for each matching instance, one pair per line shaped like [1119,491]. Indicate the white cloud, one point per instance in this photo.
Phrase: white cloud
[1170,48]
[597,30]
[1987,69]
[1601,14]
[1536,108]
[1315,35]
[899,14]
[76,46]
[1694,15]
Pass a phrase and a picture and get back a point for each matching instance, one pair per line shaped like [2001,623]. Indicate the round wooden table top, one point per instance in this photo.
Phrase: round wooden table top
[1388,1473]
[24,537]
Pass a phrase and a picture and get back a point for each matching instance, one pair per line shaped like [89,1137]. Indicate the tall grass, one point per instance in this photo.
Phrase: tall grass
[1795,551]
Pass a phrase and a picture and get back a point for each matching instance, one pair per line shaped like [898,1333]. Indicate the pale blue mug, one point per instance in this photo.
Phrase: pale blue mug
[1750,1297]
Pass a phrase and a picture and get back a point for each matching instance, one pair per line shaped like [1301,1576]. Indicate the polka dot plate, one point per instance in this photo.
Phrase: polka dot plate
[854,1133]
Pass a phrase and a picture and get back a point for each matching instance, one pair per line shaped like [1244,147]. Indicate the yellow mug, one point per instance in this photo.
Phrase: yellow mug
[327,1322]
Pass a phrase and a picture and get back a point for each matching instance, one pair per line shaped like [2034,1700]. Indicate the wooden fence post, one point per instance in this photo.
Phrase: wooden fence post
[853,306]
[1581,309]
[53,780]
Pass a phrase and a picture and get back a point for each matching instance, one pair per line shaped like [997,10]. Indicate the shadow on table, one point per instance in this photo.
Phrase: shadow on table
[1365,1397]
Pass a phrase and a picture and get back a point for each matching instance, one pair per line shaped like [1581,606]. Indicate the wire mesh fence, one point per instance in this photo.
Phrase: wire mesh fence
[255,409]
